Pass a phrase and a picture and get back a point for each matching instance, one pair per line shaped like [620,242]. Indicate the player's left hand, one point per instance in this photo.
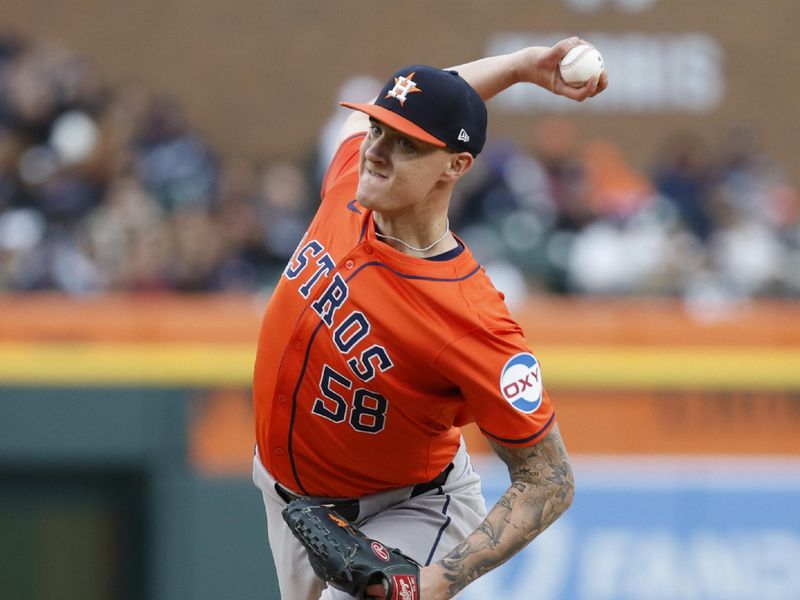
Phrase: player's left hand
[541,67]
[376,591]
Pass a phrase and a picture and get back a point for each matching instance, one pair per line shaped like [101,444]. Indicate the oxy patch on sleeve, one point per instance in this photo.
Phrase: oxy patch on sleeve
[521,382]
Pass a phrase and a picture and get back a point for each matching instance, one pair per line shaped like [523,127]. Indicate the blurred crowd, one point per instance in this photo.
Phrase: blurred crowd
[710,226]
[112,189]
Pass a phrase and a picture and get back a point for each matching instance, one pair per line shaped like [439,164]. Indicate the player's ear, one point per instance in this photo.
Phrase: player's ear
[458,164]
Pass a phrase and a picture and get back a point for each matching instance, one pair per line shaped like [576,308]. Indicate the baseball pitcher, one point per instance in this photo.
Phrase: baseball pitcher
[383,336]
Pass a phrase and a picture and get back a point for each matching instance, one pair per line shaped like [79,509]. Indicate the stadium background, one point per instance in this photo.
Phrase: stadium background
[125,425]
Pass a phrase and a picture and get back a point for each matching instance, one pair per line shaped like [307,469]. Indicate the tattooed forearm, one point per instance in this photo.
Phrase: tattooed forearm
[541,490]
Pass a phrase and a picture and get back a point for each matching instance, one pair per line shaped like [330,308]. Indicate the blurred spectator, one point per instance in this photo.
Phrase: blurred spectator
[283,209]
[113,190]
[173,163]
[245,259]
[360,88]
[127,238]
[683,174]
[11,191]
[752,246]
[197,250]
[615,189]
[557,148]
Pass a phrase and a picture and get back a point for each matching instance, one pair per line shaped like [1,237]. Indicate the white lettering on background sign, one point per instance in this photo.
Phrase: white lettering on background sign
[628,6]
[623,565]
[651,73]
[649,564]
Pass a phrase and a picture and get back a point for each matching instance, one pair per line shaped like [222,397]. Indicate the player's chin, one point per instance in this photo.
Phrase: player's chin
[367,197]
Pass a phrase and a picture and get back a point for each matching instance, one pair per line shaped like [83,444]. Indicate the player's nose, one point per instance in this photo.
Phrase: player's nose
[377,150]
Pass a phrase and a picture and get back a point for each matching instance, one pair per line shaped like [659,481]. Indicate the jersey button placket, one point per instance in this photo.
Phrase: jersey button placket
[350,264]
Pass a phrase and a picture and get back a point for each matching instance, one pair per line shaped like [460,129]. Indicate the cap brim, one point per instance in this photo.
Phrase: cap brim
[395,121]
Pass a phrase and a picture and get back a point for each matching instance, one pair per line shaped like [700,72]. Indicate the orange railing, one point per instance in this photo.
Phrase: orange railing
[626,375]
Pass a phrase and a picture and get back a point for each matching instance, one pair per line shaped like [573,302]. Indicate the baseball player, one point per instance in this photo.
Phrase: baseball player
[384,335]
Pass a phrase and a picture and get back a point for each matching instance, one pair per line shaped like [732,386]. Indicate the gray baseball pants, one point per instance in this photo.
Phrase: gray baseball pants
[425,527]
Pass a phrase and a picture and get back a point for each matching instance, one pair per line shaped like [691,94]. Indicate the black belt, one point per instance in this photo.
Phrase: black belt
[348,508]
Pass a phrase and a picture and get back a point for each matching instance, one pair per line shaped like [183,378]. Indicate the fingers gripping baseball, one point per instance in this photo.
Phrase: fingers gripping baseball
[547,72]
[347,559]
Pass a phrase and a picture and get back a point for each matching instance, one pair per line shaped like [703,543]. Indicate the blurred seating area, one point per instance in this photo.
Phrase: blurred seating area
[709,225]
[111,188]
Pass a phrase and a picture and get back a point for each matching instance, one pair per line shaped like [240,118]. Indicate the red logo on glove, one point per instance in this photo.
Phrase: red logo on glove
[405,587]
[380,551]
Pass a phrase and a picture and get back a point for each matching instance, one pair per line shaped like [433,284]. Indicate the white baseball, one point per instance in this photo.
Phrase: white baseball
[581,64]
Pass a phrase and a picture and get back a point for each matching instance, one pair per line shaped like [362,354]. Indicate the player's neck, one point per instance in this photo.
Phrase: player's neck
[416,237]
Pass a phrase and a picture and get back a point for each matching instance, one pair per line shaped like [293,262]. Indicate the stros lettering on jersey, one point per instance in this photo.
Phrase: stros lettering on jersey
[369,359]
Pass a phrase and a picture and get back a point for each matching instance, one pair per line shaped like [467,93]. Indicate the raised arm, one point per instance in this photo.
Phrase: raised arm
[489,76]
[536,64]
[541,490]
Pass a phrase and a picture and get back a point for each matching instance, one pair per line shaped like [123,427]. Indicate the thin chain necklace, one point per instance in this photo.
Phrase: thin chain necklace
[409,246]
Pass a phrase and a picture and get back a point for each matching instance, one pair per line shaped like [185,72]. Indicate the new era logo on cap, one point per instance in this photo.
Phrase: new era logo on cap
[433,105]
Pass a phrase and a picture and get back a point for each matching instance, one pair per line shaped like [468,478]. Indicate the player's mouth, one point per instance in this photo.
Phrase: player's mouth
[376,174]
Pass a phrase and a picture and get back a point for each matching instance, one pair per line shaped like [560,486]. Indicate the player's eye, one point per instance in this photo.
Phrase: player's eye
[375,130]
[406,144]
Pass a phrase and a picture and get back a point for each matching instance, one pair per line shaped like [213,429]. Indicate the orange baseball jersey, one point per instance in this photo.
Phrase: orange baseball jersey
[369,359]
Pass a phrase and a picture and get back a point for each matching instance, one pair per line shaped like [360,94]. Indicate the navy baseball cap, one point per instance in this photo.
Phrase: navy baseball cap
[432,105]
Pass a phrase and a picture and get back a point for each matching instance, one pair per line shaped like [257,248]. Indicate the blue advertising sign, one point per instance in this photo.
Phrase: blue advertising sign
[661,529]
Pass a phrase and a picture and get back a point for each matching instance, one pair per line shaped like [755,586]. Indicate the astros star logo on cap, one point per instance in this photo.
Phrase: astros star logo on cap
[402,87]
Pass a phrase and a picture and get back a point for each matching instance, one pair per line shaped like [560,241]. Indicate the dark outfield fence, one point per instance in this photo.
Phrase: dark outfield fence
[99,501]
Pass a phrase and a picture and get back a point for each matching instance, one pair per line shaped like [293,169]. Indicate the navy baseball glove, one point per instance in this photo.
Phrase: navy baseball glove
[347,559]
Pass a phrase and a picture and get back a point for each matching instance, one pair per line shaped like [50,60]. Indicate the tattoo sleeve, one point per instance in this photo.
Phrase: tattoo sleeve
[541,490]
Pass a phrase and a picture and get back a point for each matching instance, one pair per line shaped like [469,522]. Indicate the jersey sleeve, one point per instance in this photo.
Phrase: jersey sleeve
[343,165]
[501,382]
